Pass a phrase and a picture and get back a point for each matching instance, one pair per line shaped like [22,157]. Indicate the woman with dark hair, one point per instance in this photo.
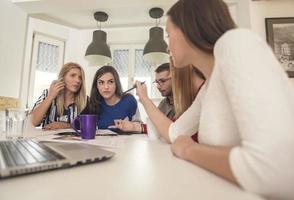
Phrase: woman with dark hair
[245,110]
[108,101]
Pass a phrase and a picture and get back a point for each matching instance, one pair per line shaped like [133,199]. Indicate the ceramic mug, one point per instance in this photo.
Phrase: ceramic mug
[85,126]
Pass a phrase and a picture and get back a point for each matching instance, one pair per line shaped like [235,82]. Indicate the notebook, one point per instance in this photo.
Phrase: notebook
[26,156]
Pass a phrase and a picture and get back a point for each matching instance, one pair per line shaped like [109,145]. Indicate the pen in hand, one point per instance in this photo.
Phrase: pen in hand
[133,87]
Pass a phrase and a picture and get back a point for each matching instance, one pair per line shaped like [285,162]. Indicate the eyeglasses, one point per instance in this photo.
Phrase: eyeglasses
[160,82]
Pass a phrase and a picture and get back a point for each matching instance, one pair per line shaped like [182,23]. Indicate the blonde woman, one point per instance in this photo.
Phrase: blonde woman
[63,101]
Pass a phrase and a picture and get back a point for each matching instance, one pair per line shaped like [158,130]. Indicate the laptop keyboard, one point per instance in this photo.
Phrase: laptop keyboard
[27,151]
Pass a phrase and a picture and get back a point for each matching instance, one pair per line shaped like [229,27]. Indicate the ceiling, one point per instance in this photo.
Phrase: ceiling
[79,13]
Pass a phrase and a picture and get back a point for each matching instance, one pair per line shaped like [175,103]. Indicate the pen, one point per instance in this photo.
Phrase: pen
[106,134]
[133,87]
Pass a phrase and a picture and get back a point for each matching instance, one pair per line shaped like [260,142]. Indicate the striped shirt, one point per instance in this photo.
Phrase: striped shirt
[51,115]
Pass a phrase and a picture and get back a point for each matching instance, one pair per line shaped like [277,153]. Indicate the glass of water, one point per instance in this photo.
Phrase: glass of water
[15,123]
[2,124]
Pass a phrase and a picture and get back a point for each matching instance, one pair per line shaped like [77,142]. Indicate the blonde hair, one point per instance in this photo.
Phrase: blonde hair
[183,88]
[80,95]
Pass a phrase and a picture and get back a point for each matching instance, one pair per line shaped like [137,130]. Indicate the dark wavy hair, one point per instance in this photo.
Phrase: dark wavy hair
[95,96]
[202,22]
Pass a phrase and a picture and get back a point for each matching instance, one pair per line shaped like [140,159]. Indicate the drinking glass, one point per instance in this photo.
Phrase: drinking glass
[15,123]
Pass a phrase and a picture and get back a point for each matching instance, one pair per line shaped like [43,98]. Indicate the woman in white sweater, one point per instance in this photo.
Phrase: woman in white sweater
[245,112]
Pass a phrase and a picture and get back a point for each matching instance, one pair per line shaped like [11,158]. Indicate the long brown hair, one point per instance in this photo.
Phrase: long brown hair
[202,22]
[80,95]
[184,87]
[95,96]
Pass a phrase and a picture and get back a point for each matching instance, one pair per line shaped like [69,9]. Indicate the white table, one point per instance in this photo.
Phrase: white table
[141,169]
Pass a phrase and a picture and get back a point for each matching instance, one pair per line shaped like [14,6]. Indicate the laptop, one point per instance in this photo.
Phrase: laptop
[26,156]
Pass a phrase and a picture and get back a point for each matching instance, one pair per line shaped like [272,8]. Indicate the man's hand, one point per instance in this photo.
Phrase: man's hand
[181,144]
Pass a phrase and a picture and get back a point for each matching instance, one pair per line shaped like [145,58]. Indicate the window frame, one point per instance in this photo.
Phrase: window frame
[154,93]
[37,38]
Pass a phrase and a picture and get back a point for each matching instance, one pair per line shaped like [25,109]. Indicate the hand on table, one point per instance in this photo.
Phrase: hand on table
[126,125]
[181,144]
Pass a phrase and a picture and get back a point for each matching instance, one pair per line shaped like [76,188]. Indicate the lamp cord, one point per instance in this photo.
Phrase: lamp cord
[157,21]
[99,25]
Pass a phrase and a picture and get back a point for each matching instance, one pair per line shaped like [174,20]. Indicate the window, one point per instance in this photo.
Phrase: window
[47,59]
[142,69]
[129,62]
[130,65]
[121,64]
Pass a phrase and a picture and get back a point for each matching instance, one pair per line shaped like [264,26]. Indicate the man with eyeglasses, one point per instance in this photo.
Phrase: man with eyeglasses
[164,85]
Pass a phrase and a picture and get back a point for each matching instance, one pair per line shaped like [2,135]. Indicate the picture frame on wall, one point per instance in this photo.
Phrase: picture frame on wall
[280,36]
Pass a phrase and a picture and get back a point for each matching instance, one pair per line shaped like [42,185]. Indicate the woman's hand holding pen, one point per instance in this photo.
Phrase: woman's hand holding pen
[55,88]
[133,87]
[141,91]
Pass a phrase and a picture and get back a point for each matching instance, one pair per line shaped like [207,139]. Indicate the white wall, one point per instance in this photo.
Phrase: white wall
[243,10]
[13,23]
[259,10]
[264,9]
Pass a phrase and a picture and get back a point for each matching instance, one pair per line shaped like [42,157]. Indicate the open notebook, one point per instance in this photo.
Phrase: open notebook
[25,156]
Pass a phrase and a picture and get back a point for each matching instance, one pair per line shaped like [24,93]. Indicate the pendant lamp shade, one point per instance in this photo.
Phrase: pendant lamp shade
[98,52]
[155,50]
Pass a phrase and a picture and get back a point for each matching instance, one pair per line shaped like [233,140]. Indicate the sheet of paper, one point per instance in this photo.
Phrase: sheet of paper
[104,138]
[106,132]
[108,141]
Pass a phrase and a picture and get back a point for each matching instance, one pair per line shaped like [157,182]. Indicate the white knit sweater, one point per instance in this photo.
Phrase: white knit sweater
[248,103]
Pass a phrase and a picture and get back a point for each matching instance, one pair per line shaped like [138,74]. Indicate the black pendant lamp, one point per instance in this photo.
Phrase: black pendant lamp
[98,52]
[155,50]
